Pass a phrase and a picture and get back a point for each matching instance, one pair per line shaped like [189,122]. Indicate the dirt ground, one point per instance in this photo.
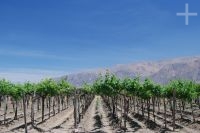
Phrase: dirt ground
[95,120]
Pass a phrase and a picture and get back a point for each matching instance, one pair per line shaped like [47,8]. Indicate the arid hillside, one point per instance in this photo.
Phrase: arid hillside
[160,71]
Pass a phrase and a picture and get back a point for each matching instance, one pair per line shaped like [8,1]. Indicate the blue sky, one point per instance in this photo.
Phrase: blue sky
[41,38]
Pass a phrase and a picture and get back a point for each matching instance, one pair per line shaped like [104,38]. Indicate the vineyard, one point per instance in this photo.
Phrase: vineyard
[109,105]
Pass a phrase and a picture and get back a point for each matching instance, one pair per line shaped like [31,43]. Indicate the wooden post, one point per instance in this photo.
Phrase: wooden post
[76,109]
[5,108]
[24,105]
[125,111]
[75,122]
[32,108]
[165,113]
[174,108]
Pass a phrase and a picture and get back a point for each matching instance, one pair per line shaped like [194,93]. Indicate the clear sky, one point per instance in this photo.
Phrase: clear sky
[40,38]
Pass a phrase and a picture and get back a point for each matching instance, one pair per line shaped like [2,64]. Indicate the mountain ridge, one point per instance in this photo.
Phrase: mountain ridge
[161,71]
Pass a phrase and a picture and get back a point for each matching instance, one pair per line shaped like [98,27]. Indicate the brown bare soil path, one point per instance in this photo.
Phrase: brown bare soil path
[66,127]
[133,125]
[40,127]
[95,119]
[104,118]
[56,121]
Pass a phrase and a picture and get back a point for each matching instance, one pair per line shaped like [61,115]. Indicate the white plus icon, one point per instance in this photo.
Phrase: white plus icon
[186,14]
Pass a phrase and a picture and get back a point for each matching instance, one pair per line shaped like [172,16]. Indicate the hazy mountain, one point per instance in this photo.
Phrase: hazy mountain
[160,71]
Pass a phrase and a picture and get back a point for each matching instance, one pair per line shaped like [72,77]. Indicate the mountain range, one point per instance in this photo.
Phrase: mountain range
[161,71]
